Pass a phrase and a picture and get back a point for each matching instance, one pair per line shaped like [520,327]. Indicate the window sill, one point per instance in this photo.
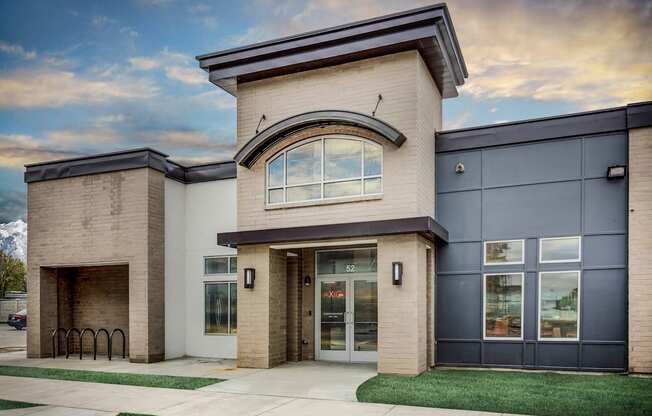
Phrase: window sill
[333,201]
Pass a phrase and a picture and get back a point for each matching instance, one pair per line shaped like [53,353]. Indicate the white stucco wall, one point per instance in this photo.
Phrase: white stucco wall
[210,208]
[175,269]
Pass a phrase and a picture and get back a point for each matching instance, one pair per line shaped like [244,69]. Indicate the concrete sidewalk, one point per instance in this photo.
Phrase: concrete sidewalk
[93,398]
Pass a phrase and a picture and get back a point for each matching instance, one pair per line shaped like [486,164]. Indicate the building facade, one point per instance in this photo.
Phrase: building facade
[350,227]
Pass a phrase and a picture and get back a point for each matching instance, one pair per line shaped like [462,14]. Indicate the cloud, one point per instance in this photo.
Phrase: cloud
[126,30]
[199,8]
[458,122]
[558,51]
[144,64]
[16,150]
[589,53]
[102,21]
[216,99]
[16,50]
[54,88]
[176,66]
[192,76]
[13,205]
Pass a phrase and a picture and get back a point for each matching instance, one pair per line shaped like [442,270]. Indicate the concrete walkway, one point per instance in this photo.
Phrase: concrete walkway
[82,399]
[306,379]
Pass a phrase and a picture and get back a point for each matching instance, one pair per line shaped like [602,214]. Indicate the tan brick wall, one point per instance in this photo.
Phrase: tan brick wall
[402,310]
[294,306]
[640,247]
[262,312]
[94,297]
[111,218]
[308,304]
[411,103]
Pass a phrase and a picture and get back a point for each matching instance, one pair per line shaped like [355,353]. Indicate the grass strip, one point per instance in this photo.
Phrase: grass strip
[10,404]
[128,379]
[532,393]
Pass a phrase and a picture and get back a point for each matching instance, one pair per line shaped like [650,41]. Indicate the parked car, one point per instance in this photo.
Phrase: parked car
[18,320]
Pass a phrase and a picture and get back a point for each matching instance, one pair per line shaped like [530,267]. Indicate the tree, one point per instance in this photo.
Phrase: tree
[12,274]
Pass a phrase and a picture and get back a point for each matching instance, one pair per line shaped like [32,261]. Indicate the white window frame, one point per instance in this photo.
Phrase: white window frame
[228,316]
[579,305]
[484,253]
[322,180]
[228,266]
[579,249]
[484,307]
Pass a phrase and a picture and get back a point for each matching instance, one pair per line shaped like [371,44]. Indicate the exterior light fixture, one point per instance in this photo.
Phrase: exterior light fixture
[616,172]
[459,168]
[397,273]
[249,277]
[306,281]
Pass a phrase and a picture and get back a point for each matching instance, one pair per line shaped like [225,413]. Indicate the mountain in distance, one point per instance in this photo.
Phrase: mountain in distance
[13,239]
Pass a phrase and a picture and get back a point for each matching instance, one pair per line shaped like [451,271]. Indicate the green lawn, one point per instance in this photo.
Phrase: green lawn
[10,404]
[541,394]
[145,380]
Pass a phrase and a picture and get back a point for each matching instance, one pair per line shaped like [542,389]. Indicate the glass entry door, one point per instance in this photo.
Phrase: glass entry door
[346,307]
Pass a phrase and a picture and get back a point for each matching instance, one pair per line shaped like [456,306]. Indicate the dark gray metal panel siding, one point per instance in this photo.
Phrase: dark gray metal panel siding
[529,191]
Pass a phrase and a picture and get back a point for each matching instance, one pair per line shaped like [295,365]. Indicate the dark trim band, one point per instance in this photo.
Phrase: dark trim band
[425,226]
[262,141]
[569,125]
[127,160]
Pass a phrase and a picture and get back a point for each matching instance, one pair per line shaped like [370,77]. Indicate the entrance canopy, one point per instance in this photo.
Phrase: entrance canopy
[425,226]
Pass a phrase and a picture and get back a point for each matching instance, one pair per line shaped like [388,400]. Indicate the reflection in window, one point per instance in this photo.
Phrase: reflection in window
[503,252]
[323,169]
[560,250]
[503,300]
[220,315]
[558,305]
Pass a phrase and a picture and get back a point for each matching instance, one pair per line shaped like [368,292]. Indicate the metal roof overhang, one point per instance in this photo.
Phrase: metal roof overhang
[424,226]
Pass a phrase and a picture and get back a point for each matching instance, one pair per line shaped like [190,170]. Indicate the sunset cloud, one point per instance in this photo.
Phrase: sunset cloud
[590,53]
[53,88]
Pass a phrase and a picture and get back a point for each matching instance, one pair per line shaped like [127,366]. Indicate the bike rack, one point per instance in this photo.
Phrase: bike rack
[111,342]
[68,332]
[81,341]
[54,336]
[80,335]
[108,346]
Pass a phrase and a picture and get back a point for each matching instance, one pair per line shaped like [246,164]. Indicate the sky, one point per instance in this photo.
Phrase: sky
[84,77]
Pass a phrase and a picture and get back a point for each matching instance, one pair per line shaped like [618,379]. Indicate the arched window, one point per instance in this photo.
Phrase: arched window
[326,168]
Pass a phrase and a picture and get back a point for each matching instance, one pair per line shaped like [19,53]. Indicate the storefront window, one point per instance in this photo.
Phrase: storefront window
[503,305]
[220,300]
[325,168]
[559,305]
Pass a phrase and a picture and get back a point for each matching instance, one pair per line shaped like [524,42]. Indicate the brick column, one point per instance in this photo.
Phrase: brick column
[294,304]
[640,247]
[262,311]
[402,310]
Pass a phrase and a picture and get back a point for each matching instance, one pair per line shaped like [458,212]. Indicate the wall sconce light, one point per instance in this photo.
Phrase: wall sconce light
[397,273]
[459,168]
[616,172]
[307,280]
[249,277]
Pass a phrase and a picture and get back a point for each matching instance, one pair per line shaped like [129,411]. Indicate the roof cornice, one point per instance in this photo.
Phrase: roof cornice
[427,29]
[127,160]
